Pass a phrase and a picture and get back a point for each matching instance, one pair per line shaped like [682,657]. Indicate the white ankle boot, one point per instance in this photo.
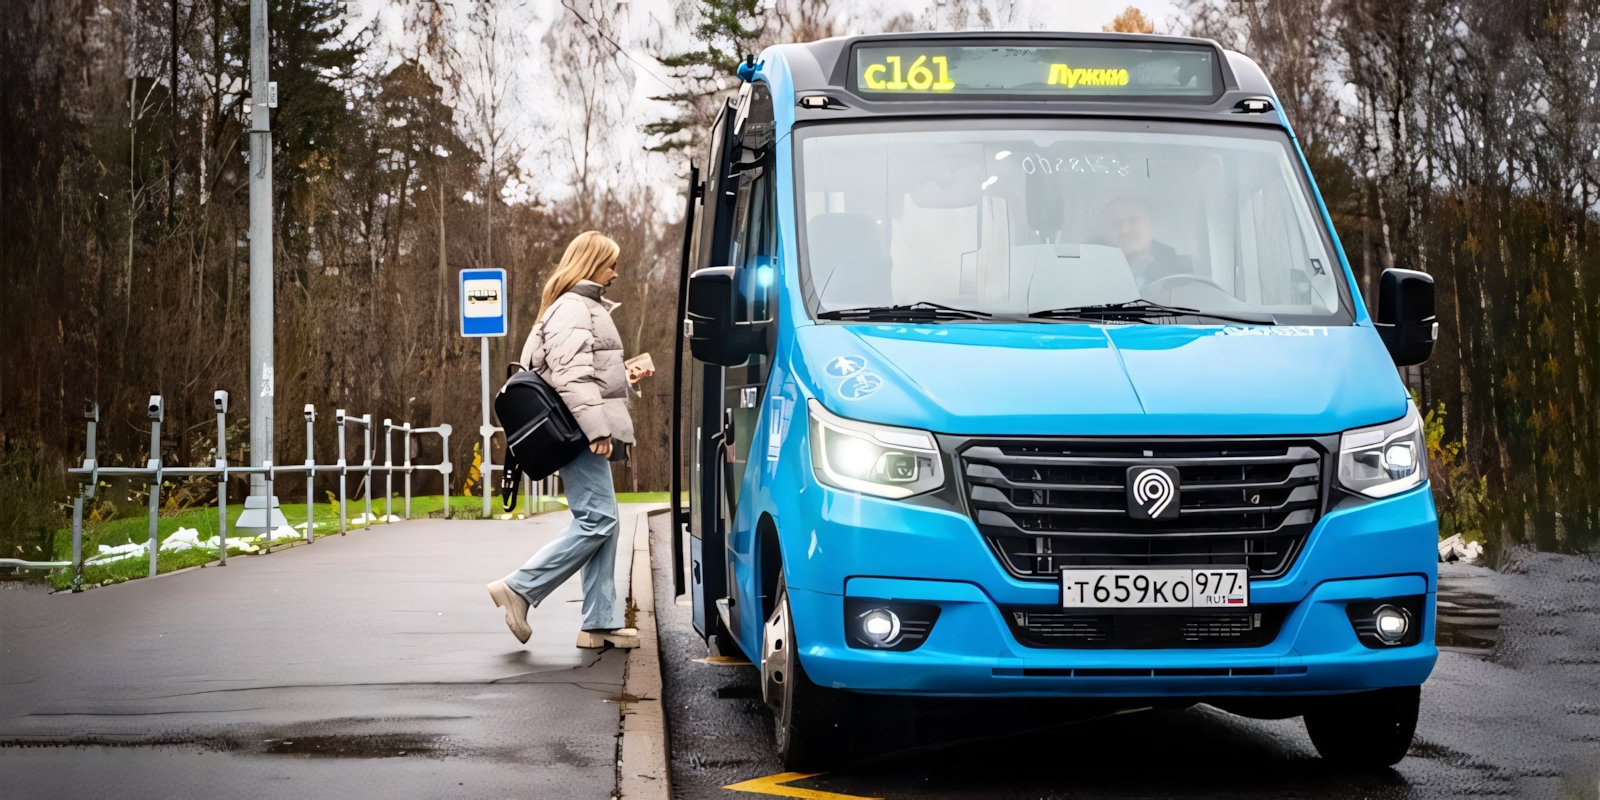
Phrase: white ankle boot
[516,609]
[621,638]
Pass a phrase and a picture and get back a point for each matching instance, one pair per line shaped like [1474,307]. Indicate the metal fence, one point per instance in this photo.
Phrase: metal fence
[155,473]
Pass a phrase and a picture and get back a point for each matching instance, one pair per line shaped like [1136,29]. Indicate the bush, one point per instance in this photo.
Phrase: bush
[1460,496]
[32,492]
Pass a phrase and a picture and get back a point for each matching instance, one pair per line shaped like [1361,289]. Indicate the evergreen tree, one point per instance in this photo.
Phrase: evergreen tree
[313,65]
[728,30]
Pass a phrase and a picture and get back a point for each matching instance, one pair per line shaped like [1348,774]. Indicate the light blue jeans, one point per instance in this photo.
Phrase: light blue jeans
[589,542]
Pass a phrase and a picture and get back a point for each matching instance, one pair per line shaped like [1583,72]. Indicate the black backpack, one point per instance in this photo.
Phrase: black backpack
[542,436]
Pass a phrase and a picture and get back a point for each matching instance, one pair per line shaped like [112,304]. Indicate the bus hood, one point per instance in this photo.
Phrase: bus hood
[1091,380]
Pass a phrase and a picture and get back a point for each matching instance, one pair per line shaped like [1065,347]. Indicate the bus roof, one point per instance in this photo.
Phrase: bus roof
[858,76]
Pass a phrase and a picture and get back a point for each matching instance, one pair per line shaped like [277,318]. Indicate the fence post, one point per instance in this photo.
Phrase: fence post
[157,413]
[92,413]
[366,461]
[343,470]
[219,399]
[266,464]
[311,476]
[407,432]
[77,541]
[444,433]
[388,470]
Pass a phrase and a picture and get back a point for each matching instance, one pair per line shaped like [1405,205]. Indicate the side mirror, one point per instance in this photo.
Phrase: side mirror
[1405,315]
[715,335]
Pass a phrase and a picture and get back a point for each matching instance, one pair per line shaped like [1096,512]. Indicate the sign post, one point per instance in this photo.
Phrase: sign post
[484,309]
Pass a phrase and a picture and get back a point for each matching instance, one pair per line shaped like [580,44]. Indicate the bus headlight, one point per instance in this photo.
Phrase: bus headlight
[1384,459]
[873,459]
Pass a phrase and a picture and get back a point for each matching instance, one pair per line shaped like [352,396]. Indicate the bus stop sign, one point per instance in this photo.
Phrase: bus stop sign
[483,302]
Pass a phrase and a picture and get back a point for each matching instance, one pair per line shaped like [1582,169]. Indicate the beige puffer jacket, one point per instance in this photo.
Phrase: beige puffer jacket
[575,347]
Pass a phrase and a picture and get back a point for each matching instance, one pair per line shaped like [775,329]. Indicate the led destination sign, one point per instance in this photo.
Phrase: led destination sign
[1067,71]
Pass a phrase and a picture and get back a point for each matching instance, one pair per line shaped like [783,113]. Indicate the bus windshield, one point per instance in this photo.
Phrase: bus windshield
[1012,221]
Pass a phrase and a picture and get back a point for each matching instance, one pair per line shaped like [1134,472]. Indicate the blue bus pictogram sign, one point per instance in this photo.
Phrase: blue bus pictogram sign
[483,302]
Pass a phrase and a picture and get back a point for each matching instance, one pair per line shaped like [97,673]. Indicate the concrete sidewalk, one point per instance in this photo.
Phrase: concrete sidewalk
[373,664]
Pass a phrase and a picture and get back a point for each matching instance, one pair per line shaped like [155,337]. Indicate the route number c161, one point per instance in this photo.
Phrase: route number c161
[919,78]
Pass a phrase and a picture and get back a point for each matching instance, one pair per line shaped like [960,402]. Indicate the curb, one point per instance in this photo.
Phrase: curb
[642,751]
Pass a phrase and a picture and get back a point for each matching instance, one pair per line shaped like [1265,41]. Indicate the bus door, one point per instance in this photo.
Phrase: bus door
[737,229]
[706,528]
[753,247]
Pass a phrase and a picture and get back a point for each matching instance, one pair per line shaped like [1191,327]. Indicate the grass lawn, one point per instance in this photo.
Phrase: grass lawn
[204,520]
[647,497]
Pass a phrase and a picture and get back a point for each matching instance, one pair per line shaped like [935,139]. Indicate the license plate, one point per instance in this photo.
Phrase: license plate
[1216,587]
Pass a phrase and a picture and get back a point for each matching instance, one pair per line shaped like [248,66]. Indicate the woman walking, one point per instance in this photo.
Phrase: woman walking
[575,348]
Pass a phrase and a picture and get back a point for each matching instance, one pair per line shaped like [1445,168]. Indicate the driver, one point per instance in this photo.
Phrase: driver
[1127,225]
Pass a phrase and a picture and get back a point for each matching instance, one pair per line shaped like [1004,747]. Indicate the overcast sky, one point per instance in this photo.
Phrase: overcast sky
[644,28]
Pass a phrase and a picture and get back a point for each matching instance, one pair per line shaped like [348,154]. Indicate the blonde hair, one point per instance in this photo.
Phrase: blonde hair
[589,252]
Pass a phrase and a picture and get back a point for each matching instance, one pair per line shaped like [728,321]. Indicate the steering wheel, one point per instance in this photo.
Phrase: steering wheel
[1184,276]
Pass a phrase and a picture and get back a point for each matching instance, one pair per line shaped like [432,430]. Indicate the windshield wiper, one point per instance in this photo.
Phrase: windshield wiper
[914,312]
[1143,310]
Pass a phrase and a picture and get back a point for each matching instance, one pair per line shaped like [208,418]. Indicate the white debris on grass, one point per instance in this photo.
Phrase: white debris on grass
[363,519]
[1454,548]
[182,539]
[188,539]
[108,554]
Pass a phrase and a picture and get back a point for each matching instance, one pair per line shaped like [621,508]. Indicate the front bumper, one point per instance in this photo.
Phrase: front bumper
[1368,551]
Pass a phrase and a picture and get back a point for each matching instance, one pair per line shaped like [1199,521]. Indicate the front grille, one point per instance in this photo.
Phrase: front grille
[1050,627]
[1046,505]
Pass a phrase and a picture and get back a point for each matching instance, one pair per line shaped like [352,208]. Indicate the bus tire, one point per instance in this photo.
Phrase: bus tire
[809,721]
[1367,730]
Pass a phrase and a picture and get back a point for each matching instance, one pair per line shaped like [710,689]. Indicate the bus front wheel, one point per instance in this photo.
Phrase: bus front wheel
[1370,729]
[810,722]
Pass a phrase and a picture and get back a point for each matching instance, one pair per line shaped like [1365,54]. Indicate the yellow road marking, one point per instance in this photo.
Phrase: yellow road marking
[722,661]
[772,785]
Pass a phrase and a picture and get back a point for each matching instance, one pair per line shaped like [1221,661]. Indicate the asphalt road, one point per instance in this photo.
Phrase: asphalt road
[369,665]
[1512,709]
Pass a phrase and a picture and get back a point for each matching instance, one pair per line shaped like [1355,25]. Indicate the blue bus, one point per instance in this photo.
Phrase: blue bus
[1030,365]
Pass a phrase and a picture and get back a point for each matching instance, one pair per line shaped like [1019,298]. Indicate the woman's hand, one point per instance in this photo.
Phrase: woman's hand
[636,372]
[601,447]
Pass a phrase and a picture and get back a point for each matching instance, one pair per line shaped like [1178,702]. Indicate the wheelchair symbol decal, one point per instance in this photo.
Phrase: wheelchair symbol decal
[860,385]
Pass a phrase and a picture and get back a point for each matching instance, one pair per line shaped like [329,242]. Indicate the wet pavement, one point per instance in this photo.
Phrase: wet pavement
[1512,709]
[370,665]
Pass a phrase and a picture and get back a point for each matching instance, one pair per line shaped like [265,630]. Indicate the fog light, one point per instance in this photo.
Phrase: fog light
[878,623]
[1392,624]
[880,627]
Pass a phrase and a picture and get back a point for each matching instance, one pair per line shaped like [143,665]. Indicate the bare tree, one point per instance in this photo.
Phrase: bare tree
[592,86]
[1131,20]
[493,43]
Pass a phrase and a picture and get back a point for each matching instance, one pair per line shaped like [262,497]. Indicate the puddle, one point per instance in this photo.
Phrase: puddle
[1469,620]
[375,745]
